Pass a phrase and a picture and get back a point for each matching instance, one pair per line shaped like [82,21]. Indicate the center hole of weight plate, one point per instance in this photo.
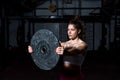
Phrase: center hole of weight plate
[43,49]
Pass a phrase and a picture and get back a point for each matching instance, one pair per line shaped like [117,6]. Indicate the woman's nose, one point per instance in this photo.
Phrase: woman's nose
[69,32]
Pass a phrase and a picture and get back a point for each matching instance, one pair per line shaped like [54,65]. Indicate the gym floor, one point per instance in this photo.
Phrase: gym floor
[95,67]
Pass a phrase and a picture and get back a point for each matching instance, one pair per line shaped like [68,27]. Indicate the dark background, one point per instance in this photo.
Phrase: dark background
[19,21]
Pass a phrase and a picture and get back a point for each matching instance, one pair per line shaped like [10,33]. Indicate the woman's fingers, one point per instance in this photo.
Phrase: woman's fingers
[59,50]
[30,50]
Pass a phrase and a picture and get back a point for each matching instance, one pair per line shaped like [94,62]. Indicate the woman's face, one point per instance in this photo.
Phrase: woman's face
[72,32]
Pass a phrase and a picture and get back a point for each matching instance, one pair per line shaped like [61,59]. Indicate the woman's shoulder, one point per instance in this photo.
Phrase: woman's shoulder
[64,43]
[82,43]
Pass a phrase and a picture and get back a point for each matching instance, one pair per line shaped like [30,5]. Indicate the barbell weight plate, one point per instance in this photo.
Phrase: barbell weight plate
[44,43]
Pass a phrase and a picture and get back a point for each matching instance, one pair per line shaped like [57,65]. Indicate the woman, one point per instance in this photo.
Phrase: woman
[73,51]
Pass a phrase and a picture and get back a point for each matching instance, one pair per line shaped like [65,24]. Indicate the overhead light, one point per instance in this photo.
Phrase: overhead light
[52,7]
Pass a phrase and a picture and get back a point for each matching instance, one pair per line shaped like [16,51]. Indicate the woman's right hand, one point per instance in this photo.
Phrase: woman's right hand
[30,49]
[60,50]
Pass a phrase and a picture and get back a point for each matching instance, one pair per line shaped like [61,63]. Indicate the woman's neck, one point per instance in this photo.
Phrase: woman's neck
[75,40]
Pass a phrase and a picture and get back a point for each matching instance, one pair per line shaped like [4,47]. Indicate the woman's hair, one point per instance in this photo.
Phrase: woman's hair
[79,25]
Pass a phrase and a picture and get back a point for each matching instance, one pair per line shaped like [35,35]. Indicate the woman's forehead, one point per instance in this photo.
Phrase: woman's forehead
[71,26]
